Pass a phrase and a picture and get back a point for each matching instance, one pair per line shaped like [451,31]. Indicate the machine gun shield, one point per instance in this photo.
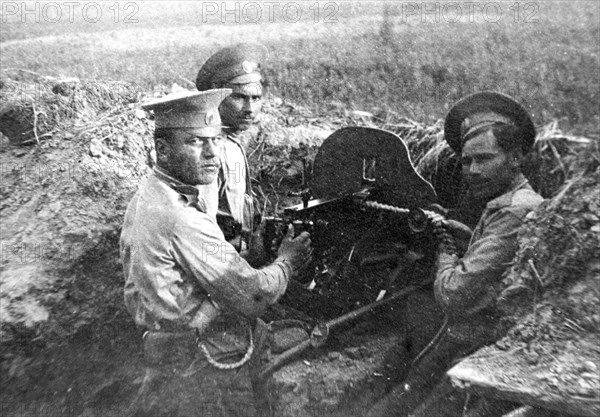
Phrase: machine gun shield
[366,244]
[355,157]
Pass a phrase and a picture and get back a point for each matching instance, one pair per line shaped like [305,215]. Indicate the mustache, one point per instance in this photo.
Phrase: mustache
[210,163]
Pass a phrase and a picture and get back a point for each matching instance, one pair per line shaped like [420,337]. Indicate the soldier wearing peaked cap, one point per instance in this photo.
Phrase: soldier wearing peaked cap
[491,132]
[239,64]
[184,283]
[238,68]
[481,111]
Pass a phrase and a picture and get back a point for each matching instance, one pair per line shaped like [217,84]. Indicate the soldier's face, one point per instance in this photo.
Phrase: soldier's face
[488,170]
[239,110]
[190,158]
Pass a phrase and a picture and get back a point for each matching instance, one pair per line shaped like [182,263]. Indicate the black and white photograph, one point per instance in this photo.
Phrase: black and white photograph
[306,208]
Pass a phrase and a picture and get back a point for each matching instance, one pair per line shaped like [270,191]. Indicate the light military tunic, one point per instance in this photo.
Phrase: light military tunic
[231,195]
[467,288]
[235,191]
[175,257]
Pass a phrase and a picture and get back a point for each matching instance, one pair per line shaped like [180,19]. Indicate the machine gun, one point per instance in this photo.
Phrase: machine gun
[371,234]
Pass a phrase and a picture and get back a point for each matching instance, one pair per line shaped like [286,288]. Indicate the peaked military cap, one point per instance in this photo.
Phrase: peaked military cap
[479,111]
[197,110]
[237,64]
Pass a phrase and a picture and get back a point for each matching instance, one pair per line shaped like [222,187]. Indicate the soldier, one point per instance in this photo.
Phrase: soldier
[185,284]
[238,68]
[491,132]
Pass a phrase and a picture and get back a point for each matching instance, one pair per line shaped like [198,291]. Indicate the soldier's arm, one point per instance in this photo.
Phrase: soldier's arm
[470,282]
[201,250]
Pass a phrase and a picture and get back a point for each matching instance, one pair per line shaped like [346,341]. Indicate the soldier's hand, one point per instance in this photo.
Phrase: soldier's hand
[438,209]
[453,235]
[297,251]
[460,232]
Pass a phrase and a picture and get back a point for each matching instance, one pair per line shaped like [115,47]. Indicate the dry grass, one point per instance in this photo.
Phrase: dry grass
[33,111]
[288,132]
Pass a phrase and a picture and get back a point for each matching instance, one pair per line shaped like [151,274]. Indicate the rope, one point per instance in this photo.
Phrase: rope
[228,366]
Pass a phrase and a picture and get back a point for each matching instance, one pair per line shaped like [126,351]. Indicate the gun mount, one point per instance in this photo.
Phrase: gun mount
[371,235]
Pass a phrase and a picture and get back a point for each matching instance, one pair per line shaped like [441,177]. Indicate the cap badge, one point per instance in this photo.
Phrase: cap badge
[248,67]
[209,119]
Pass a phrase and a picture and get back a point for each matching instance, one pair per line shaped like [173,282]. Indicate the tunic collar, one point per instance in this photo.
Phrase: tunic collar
[242,137]
[505,199]
[189,192]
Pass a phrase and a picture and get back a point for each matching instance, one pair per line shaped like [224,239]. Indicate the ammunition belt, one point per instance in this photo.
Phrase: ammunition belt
[434,217]
[417,221]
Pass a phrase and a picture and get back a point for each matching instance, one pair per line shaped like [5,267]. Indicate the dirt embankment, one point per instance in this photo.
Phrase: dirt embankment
[62,203]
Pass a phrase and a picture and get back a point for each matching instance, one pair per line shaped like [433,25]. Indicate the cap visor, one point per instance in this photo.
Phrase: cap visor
[204,132]
[246,78]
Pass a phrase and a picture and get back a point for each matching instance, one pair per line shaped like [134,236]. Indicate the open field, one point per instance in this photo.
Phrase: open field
[412,58]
